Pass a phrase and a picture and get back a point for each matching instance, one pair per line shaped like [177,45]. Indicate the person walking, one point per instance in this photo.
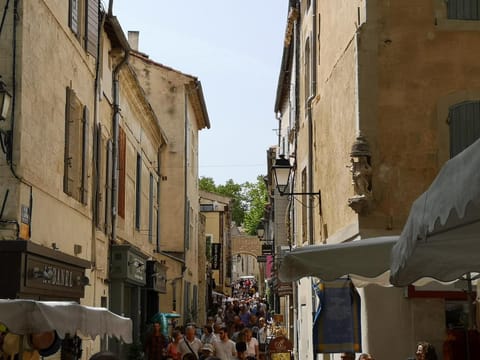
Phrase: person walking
[224,347]
[156,344]
[172,348]
[190,343]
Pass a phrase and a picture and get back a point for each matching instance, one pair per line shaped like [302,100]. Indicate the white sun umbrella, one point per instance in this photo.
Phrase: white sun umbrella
[441,238]
[24,317]
[365,261]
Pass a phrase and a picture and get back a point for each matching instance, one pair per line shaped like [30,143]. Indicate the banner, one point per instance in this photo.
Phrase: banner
[337,326]
[216,256]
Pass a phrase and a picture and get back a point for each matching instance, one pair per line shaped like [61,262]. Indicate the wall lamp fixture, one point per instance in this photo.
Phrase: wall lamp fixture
[282,171]
[260,230]
[5,100]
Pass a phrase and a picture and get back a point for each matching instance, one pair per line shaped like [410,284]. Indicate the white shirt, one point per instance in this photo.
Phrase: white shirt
[225,350]
[251,347]
[183,348]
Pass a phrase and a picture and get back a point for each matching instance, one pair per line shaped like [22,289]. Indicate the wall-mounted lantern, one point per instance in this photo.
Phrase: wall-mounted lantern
[282,172]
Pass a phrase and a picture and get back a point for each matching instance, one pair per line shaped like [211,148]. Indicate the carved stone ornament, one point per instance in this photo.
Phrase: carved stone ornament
[361,170]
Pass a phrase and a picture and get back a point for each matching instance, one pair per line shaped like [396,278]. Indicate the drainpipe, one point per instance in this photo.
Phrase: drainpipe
[309,117]
[116,121]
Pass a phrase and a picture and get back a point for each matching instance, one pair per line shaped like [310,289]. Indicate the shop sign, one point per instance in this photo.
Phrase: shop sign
[58,278]
[156,276]
[262,258]
[267,249]
[128,265]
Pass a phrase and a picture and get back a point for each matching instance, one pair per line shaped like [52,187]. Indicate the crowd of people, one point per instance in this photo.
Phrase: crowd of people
[239,330]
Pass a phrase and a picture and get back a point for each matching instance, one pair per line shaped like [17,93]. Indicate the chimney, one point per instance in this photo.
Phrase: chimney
[133,39]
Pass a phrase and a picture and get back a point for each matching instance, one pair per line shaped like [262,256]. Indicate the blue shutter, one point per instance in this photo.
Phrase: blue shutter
[464,119]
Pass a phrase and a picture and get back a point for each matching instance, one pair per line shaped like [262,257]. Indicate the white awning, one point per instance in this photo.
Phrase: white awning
[365,261]
[441,238]
[28,316]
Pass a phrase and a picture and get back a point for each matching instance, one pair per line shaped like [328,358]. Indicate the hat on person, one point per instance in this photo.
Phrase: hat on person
[46,343]
[207,347]
[11,344]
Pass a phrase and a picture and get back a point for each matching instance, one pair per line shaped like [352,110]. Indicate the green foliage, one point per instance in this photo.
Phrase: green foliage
[249,200]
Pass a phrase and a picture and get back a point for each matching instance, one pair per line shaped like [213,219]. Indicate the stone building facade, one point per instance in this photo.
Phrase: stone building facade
[393,79]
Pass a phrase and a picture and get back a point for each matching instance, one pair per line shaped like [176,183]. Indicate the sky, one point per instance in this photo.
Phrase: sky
[234,47]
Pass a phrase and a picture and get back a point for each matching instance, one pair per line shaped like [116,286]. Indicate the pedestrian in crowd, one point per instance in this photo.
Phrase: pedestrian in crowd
[156,344]
[252,343]
[425,351]
[208,337]
[238,328]
[172,348]
[244,314]
[219,316]
[190,343]
[224,347]
[262,337]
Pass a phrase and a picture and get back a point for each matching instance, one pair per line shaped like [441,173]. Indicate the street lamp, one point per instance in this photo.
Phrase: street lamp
[260,230]
[5,100]
[282,170]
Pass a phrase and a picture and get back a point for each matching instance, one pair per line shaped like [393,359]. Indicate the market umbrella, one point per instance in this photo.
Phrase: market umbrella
[441,237]
[365,261]
[24,317]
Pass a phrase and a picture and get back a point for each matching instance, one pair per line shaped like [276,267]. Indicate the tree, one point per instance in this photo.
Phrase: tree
[248,200]
[257,196]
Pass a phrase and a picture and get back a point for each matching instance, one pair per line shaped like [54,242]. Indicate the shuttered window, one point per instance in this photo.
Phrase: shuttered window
[83,21]
[122,146]
[463,9]
[151,195]
[138,195]
[75,179]
[91,26]
[464,120]
[108,187]
[73,16]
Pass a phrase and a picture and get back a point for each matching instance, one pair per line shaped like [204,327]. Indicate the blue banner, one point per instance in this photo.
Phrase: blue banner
[337,326]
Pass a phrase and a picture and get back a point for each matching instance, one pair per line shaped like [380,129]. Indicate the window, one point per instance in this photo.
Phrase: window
[83,21]
[76,148]
[138,195]
[464,121]
[463,9]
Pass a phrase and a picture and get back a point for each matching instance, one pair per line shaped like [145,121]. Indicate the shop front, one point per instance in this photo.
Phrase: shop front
[32,271]
[128,280]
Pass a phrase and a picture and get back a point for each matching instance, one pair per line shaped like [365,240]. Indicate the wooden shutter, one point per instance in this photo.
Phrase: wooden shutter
[91,26]
[151,193]
[97,156]
[85,142]
[122,146]
[463,9]
[69,173]
[138,196]
[73,13]
[464,120]
[108,188]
